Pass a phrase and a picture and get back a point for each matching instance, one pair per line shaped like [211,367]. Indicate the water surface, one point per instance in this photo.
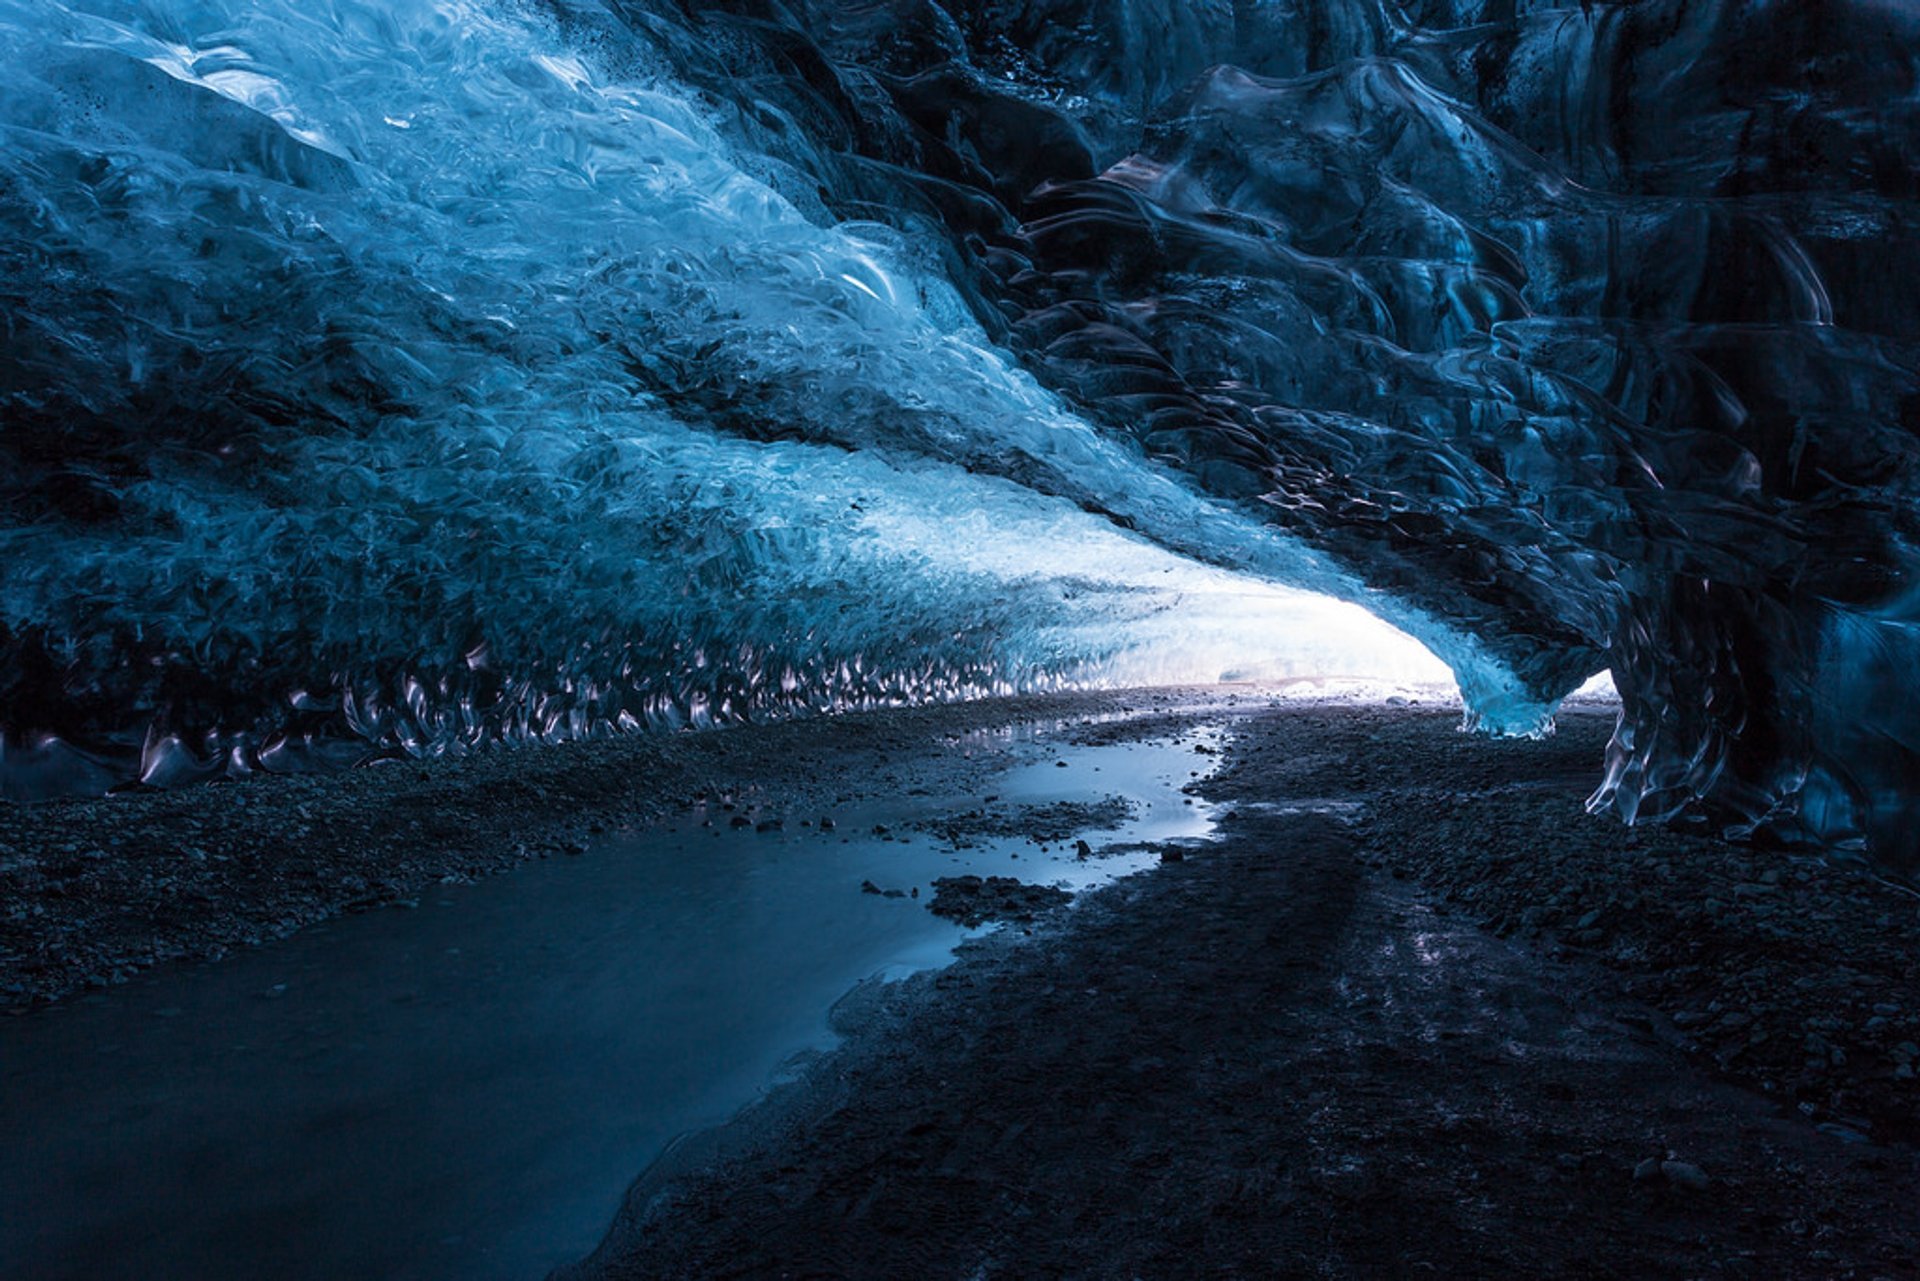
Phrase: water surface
[462,1092]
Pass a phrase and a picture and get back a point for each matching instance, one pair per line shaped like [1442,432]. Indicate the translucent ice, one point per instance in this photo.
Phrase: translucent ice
[421,373]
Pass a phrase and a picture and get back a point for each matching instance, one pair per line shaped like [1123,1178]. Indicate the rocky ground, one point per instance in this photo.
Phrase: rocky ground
[1053,824]
[1789,974]
[975,900]
[1413,1013]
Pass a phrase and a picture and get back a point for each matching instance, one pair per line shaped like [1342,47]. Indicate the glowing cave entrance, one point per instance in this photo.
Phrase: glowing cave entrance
[1299,642]
[435,380]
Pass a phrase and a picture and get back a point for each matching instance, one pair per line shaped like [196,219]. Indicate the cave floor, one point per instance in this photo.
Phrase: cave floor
[1405,1010]
[1334,1043]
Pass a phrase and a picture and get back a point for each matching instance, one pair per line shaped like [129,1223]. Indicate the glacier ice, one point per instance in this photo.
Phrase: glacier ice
[418,374]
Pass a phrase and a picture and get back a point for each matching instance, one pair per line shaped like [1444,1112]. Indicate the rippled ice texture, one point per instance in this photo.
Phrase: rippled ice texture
[480,369]
[456,378]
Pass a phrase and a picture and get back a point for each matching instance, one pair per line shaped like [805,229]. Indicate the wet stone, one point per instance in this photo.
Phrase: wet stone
[1685,1175]
[975,900]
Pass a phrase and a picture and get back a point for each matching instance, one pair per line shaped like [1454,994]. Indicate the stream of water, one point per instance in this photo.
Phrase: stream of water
[464,1091]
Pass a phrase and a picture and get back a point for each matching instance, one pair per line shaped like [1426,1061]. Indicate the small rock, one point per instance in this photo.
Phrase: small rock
[1682,1174]
[1844,1133]
[1647,1171]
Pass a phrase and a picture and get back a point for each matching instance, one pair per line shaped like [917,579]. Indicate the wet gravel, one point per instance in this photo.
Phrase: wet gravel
[1789,974]
[1052,824]
[975,900]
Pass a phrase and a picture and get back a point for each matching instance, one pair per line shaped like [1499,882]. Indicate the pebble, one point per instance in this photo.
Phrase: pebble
[1682,1174]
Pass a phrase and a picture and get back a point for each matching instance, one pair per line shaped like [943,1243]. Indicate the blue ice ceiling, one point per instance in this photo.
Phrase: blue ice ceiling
[419,374]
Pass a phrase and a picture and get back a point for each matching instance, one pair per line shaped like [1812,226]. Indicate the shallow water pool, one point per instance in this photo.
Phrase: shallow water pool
[465,1090]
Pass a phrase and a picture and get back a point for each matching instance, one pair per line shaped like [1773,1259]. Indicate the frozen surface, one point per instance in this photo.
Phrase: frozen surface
[420,372]
[411,374]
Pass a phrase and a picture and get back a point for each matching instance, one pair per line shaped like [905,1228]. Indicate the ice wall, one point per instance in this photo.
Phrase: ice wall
[419,374]
[434,372]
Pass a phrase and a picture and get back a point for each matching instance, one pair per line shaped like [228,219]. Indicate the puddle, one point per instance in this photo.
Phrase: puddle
[465,1090]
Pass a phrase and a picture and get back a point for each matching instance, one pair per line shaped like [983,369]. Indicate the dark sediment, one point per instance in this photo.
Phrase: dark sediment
[1052,824]
[975,900]
[1299,1053]
[1787,973]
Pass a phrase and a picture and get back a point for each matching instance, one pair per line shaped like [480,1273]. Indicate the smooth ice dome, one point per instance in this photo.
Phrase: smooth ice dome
[405,376]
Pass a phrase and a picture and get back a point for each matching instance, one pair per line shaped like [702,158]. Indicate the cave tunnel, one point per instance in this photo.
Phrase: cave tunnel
[1449,462]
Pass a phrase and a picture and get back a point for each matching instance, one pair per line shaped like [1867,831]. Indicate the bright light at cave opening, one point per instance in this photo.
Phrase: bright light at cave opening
[1137,614]
[1302,641]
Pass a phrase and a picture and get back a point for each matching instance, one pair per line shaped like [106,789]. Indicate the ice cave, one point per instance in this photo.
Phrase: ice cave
[1451,468]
